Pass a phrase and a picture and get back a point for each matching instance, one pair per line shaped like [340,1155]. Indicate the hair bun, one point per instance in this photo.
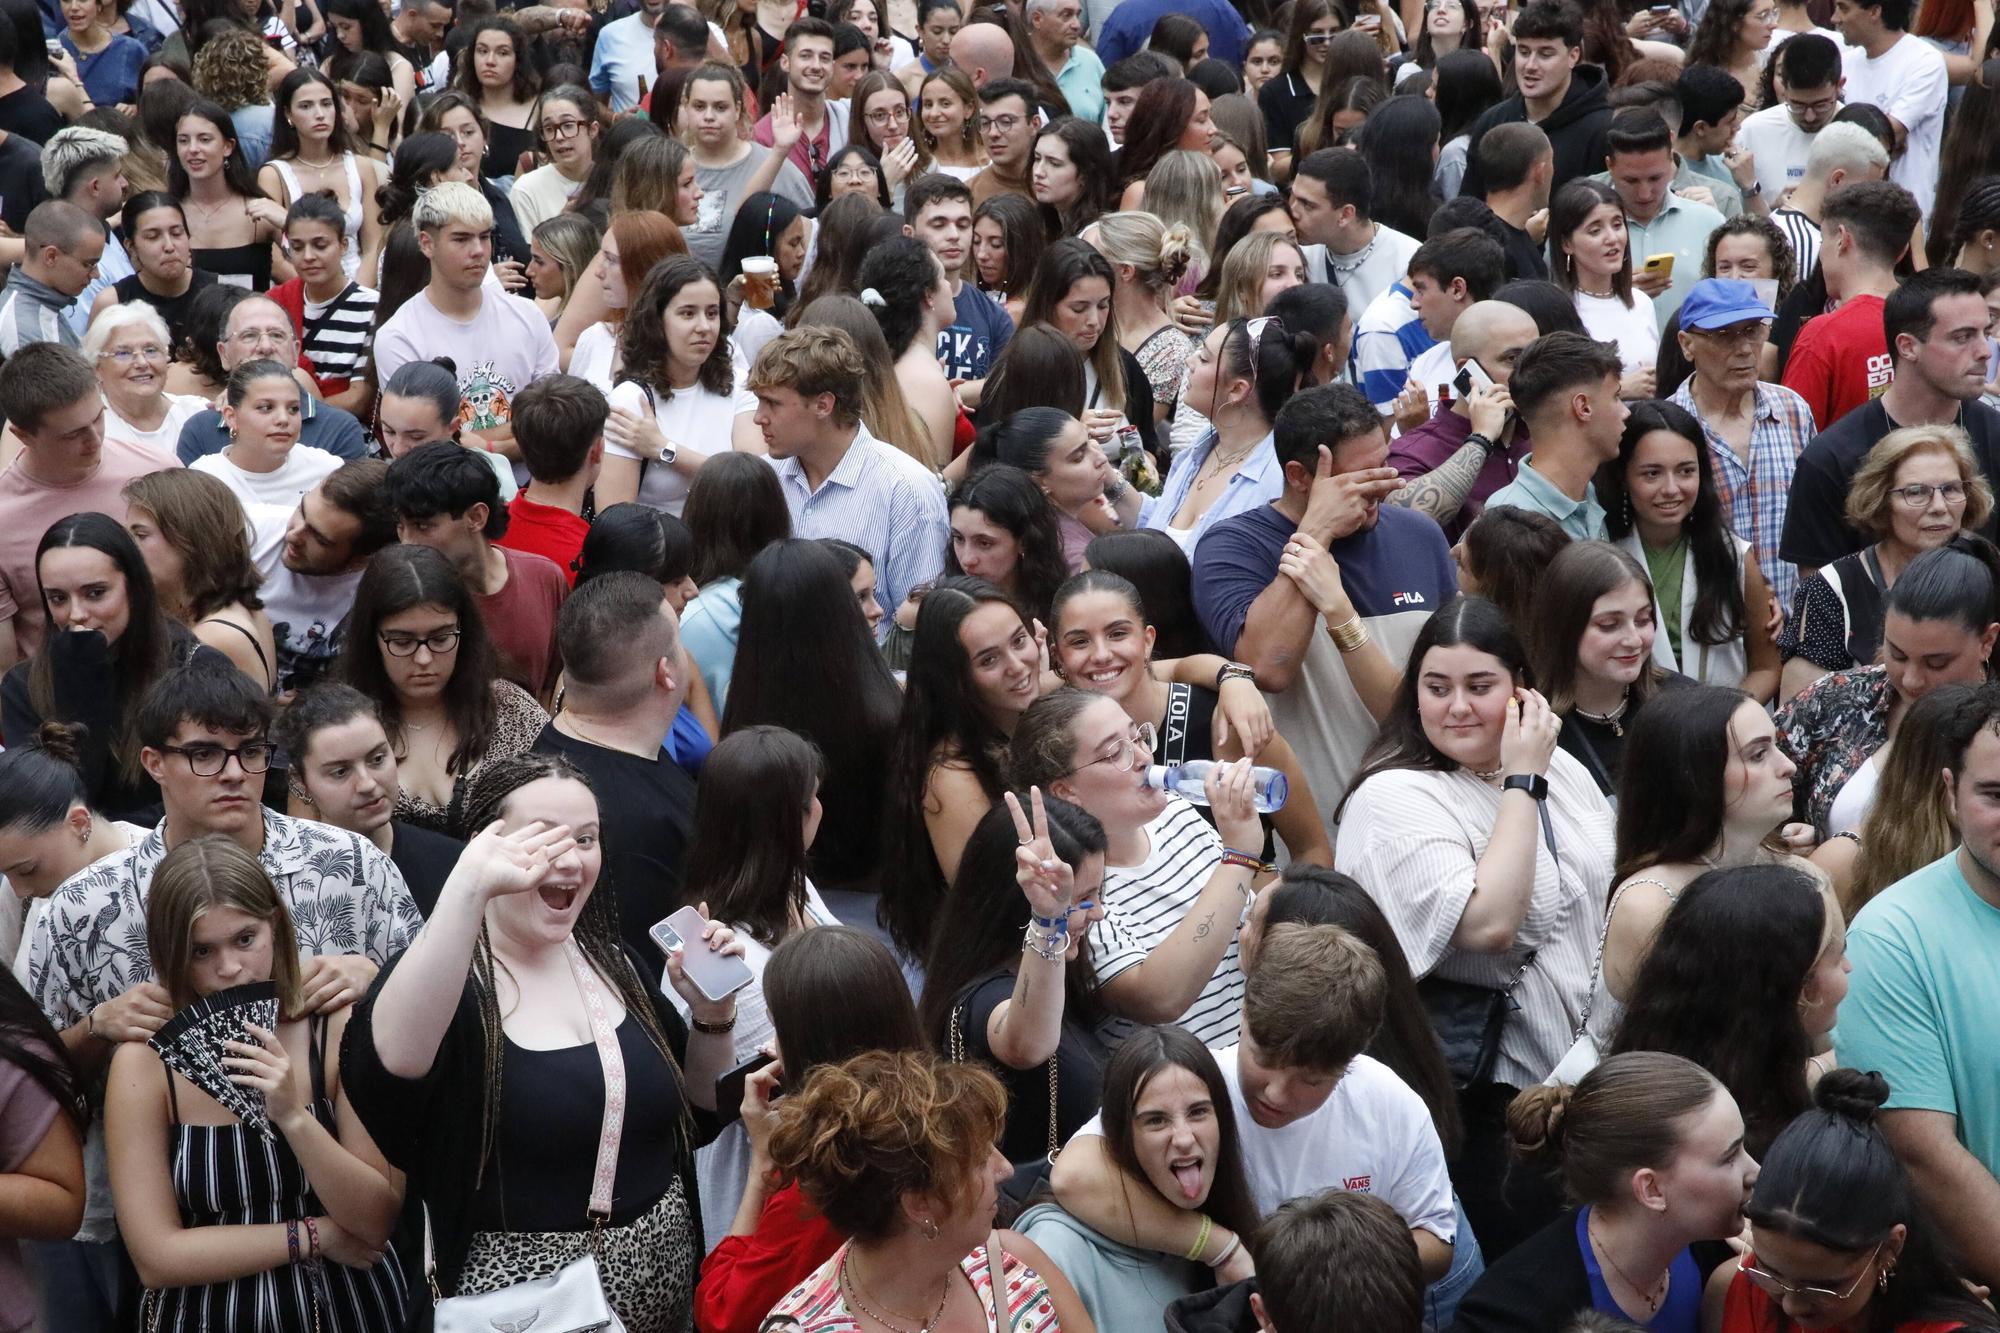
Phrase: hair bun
[1852,1094]
[1536,1121]
[446,362]
[1176,252]
[62,741]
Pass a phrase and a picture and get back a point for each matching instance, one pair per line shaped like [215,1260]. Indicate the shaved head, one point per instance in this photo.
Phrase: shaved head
[983,52]
[1492,333]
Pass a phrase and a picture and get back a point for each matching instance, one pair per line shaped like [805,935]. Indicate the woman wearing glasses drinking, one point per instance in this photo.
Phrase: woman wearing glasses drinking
[1175,890]
[1839,1239]
[1917,489]
[417,646]
[566,118]
[129,345]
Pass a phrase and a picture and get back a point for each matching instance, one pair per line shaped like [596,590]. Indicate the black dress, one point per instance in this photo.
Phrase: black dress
[173,309]
[1079,1060]
[245,266]
[1600,746]
[504,146]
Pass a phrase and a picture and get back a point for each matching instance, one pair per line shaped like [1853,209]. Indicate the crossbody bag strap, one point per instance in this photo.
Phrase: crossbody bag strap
[955,1052]
[1597,963]
[613,1061]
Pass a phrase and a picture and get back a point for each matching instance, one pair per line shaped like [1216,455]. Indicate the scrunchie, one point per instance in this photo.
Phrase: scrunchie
[871,297]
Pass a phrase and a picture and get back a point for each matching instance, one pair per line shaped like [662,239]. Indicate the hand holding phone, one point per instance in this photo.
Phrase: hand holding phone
[715,974]
[729,1087]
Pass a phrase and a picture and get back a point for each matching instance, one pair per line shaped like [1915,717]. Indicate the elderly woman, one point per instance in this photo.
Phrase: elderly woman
[1918,488]
[129,346]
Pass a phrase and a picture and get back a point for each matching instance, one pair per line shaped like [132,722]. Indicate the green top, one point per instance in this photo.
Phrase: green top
[1668,570]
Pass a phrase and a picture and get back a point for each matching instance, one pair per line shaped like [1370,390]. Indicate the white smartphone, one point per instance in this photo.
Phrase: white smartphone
[1472,375]
[715,975]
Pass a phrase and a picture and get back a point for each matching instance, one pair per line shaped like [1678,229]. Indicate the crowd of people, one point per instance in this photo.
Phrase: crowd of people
[922,666]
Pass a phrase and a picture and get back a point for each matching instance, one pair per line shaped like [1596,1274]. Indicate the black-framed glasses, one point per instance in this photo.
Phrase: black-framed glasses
[1777,1286]
[562,130]
[1002,124]
[1133,750]
[1918,494]
[205,761]
[439,642]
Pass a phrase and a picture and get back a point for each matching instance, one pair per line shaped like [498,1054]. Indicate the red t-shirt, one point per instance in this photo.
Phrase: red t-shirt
[744,1276]
[521,620]
[546,531]
[1748,1309]
[1841,360]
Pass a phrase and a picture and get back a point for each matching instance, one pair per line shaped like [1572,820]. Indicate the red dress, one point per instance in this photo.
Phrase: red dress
[745,1276]
[1749,1309]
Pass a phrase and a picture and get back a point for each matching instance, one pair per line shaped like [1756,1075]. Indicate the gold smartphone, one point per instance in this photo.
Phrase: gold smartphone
[1662,265]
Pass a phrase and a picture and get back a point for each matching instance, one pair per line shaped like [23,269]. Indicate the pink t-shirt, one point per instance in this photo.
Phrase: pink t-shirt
[26,1112]
[28,508]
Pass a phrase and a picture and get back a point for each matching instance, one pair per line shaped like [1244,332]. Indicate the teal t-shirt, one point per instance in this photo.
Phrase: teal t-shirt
[1923,1005]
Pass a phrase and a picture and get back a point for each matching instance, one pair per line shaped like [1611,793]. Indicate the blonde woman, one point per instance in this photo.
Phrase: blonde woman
[1149,259]
[1185,187]
[1911,823]
[558,255]
[1256,269]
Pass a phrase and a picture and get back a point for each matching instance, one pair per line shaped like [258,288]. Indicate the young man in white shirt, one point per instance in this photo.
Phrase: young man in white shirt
[498,343]
[623,64]
[1903,75]
[1311,1113]
[1333,195]
[1779,137]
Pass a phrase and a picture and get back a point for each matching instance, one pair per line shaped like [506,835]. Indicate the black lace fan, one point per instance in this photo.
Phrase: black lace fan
[191,1044]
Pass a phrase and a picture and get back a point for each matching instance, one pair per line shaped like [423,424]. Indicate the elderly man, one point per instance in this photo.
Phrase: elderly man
[1055,30]
[62,246]
[259,327]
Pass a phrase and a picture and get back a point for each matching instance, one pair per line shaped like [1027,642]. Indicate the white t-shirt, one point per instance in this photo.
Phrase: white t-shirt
[1780,147]
[596,351]
[502,349]
[539,196]
[180,407]
[1369,271]
[300,472]
[1909,83]
[692,418]
[1143,904]
[1610,320]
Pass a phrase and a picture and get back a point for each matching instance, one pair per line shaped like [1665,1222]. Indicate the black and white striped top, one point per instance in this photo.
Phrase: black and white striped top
[1142,906]
[1803,233]
[337,332]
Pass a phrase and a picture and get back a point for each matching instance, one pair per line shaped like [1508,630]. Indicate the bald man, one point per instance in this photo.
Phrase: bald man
[983,52]
[1468,450]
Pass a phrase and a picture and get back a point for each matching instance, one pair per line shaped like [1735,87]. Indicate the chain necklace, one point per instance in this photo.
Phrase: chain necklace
[1613,719]
[1222,466]
[1652,1297]
[852,1293]
[316,166]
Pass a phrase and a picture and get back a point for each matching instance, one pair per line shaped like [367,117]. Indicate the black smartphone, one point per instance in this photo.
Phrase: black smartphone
[729,1088]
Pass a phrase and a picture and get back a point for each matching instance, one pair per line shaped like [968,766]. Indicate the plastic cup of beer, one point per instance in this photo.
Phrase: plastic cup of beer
[760,281]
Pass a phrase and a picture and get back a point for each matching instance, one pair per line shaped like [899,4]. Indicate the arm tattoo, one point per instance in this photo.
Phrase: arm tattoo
[1443,489]
[1207,924]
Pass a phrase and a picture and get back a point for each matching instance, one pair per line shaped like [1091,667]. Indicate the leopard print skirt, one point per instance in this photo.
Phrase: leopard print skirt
[648,1266]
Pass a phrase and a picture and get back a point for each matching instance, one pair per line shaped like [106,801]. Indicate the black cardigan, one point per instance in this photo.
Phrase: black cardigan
[429,1128]
[1540,1285]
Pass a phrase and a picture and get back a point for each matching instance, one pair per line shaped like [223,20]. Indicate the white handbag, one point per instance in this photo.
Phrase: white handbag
[571,1299]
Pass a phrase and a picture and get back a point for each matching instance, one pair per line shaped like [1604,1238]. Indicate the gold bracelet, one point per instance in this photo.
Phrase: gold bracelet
[1350,634]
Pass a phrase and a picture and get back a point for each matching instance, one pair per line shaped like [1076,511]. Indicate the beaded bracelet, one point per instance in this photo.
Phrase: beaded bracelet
[1254,864]
[292,1242]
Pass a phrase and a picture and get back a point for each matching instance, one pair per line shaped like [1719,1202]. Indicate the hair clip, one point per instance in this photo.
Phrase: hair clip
[871,297]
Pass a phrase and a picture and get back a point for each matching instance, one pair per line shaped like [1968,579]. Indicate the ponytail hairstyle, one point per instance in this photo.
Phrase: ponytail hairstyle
[1978,211]
[1023,440]
[1275,360]
[1623,1116]
[1158,570]
[1958,582]
[420,160]
[895,281]
[1831,1179]
[41,781]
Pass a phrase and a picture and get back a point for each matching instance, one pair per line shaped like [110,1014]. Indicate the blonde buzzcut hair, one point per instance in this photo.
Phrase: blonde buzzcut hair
[1868,498]
[450,201]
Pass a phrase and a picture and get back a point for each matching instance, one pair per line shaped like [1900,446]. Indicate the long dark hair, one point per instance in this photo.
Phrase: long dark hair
[142,654]
[1672,805]
[1397,141]
[1471,622]
[596,932]
[1311,895]
[1158,571]
[1506,549]
[398,578]
[1020,221]
[1090,153]
[236,173]
[988,912]
[30,1043]
[285,135]
[1572,204]
[1957,582]
[1831,1179]
[1039,367]
[941,722]
[735,509]
[1581,573]
[1064,264]
[1721,987]
[1010,499]
[1142,1055]
[806,661]
[1159,118]
[834,992]
[642,339]
[747,856]
[1718,615]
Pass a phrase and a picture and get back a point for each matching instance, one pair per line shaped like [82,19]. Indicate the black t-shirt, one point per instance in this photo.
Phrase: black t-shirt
[1286,101]
[27,113]
[1816,531]
[425,857]
[1079,1074]
[646,807]
[173,309]
[1600,746]
[21,186]
[1526,261]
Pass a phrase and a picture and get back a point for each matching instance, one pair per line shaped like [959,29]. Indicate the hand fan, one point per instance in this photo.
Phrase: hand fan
[191,1044]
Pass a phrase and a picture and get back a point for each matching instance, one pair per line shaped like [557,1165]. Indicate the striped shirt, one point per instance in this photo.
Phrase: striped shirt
[32,312]
[1754,493]
[883,501]
[337,332]
[1803,233]
[1144,904]
[1387,338]
[1414,838]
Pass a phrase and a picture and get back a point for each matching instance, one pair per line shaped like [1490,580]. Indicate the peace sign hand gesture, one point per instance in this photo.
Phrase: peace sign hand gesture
[1045,878]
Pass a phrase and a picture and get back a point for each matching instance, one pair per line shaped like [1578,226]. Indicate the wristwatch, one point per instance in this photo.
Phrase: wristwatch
[668,450]
[1534,784]
[1234,671]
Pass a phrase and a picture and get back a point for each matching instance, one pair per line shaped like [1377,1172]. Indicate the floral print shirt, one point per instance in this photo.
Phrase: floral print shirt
[1830,728]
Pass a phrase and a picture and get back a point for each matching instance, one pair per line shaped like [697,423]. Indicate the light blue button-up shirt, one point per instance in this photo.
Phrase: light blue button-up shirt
[1582,519]
[1255,484]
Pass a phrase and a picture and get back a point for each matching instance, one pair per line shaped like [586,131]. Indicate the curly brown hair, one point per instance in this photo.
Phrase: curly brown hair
[231,71]
[642,342]
[865,1132]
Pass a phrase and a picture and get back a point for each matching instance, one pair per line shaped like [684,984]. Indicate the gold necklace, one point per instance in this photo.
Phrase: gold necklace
[1653,1297]
[1223,466]
[316,166]
[852,1292]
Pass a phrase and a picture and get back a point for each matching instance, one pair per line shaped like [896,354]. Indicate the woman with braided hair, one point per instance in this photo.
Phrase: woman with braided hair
[1973,243]
[499,1016]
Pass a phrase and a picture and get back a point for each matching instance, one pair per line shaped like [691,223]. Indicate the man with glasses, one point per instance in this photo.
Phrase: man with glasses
[1935,325]
[728,167]
[63,245]
[1009,118]
[1755,431]
[808,65]
[258,328]
[499,342]
[1779,137]
[1055,30]
[445,497]
[50,397]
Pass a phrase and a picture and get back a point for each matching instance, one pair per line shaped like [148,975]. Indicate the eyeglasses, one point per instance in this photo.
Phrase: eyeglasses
[1002,124]
[1919,495]
[1132,751]
[1742,333]
[261,337]
[205,761]
[125,356]
[1814,108]
[562,129]
[897,114]
[1777,1286]
[405,645]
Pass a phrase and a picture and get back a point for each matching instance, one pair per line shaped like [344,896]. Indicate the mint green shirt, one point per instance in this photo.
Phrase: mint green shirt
[1681,229]
[1923,1004]
[1582,519]
[1082,82]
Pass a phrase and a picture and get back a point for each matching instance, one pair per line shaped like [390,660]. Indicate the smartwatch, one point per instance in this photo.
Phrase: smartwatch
[1234,671]
[1534,784]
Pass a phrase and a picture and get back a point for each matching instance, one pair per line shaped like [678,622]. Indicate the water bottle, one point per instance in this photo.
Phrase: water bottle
[1268,787]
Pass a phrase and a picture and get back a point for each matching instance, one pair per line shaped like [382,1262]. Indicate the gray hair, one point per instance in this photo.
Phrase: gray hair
[1844,147]
[71,152]
[118,318]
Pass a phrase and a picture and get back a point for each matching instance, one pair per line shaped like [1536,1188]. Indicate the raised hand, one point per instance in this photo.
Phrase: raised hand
[497,863]
[1046,880]
[1229,788]
[716,937]
[1488,406]
[1341,504]
[1529,738]
[788,124]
